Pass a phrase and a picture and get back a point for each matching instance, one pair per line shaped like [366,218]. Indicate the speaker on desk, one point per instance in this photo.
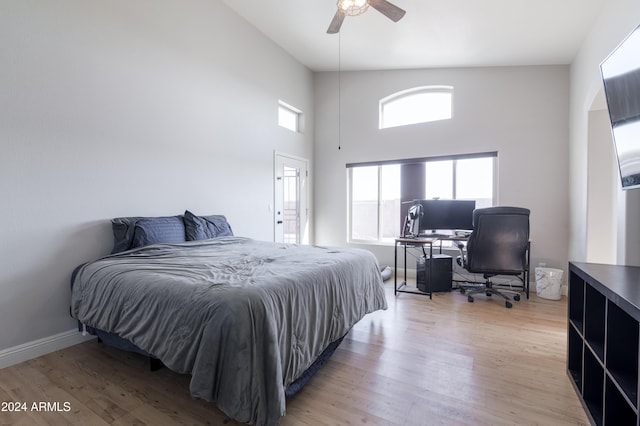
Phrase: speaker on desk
[441,274]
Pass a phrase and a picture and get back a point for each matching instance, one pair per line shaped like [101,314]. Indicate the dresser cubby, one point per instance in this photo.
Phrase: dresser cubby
[603,341]
[618,412]
[593,379]
[622,351]
[574,362]
[594,322]
[576,302]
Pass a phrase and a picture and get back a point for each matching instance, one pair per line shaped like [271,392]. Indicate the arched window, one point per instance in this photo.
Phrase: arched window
[416,105]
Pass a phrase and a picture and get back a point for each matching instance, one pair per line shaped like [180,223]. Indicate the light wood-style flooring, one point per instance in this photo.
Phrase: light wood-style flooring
[422,362]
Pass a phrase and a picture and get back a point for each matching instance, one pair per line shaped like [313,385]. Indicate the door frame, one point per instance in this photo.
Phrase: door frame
[305,226]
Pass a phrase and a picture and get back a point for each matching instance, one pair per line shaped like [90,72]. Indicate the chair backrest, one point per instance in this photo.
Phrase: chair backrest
[499,241]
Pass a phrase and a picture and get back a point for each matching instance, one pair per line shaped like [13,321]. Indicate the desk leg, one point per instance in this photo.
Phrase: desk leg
[395,270]
[431,269]
[404,276]
[526,272]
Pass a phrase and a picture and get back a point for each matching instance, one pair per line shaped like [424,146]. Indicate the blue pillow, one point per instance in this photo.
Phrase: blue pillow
[205,227]
[154,230]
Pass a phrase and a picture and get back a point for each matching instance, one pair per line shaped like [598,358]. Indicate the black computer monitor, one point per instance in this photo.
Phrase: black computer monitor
[446,215]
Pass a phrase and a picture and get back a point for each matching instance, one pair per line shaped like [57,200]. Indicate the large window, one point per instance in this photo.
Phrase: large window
[375,206]
[463,179]
[380,193]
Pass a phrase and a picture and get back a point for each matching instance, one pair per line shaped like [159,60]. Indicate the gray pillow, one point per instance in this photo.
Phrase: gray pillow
[205,227]
[154,230]
[123,228]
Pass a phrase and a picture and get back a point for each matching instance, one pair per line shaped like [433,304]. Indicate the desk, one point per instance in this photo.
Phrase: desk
[411,242]
[421,242]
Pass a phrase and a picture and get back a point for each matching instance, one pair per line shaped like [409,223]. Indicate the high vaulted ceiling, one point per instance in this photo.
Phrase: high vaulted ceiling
[433,33]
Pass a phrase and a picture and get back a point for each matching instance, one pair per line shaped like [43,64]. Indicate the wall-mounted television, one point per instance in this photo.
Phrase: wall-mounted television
[621,77]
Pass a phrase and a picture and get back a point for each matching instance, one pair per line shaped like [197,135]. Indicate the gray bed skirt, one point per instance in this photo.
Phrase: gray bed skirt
[118,342]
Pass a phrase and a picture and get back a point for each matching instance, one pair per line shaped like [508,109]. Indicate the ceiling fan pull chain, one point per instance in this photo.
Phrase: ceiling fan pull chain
[339,93]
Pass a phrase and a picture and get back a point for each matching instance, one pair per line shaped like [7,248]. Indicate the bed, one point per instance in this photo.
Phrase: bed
[246,319]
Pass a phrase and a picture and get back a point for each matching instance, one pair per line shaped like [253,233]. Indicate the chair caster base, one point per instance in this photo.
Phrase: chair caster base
[508,304]
[516,297]
[470,299]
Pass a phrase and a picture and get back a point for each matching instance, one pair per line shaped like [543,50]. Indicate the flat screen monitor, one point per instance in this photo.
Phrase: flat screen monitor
[446,215]
[621,79]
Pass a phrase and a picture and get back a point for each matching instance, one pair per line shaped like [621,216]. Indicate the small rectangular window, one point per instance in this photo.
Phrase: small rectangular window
[289,117]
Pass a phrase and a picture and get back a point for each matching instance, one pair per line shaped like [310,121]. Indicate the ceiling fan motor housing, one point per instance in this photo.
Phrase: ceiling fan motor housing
[353,7]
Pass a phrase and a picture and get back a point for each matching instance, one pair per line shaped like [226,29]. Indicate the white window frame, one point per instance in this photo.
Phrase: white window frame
[287,113]
[494,190]
[422,91]
[387,241]
[379,209]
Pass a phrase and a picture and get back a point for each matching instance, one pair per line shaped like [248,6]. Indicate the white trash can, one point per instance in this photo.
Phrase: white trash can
[549,283]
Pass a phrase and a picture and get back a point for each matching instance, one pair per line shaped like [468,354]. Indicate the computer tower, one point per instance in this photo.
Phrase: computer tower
[441,275]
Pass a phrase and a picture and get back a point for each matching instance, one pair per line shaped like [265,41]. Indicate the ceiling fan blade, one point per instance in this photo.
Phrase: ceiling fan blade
[389,10]
[336,22]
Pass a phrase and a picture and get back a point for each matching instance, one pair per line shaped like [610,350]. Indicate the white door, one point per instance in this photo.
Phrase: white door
[290,205]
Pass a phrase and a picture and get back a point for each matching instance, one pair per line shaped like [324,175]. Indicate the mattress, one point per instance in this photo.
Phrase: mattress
[244,318]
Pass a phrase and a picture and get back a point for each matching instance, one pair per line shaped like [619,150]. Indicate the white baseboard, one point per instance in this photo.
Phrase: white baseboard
[36,348]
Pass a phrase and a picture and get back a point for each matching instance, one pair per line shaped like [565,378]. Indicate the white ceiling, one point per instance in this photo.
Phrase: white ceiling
[433,33]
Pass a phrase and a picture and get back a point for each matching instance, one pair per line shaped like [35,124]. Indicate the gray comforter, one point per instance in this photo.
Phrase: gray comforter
[245,318]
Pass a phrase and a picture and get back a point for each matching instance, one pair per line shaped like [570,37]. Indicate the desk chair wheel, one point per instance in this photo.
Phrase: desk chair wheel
[470,299]
[516,297]
[508,304]
[488,293]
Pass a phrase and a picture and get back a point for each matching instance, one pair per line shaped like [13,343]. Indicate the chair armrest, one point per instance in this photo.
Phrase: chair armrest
[462,259]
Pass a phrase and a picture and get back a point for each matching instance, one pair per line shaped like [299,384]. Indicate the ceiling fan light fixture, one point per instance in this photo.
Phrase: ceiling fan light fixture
[358,7]
[353,7]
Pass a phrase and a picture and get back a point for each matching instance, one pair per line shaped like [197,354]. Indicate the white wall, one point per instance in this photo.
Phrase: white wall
[122,108]
[616,20]
[602,183]
[521,112]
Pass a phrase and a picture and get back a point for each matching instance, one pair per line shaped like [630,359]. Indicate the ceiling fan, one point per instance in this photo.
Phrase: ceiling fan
[357,7]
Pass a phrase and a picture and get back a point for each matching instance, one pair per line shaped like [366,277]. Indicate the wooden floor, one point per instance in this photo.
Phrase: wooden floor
[422,362]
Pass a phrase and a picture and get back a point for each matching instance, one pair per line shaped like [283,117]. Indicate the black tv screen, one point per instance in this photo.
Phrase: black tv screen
[621,77]
[446,215]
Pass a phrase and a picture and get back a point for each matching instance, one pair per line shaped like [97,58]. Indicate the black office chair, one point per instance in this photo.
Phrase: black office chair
[498,245]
